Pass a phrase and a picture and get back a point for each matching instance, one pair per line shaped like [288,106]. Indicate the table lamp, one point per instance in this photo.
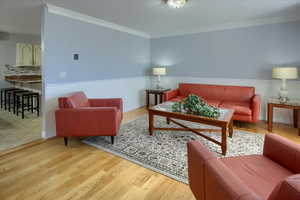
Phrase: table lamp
[284,73]
[159,71]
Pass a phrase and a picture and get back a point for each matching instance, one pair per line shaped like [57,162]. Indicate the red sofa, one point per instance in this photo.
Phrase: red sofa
[243,100]
[275,175]
[81,117]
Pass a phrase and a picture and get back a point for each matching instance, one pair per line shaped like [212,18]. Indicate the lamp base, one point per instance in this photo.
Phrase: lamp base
[283,99]
[159,87]
[283,92]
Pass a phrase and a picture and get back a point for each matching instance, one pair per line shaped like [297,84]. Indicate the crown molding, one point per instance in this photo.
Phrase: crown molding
[209,28]
[233,25]
[93,20]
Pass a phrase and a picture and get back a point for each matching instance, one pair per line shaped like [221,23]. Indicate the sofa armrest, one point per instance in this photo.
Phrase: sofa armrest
[86,121]
[256,107]
[171,94]
[287,189]
[210,179]
[112,102]
[283,151]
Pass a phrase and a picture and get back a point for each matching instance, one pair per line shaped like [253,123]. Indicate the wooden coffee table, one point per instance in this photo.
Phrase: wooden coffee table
[223,124]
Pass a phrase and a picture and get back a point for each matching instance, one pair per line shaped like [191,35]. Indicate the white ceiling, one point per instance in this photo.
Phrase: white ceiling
[20,16]
[152,17]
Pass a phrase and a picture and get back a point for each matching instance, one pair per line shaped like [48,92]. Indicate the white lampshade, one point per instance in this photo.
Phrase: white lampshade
[159,71]
[285,72]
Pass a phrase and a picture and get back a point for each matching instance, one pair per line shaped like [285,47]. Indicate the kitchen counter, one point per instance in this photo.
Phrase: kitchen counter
[33,87]
[21,71]
[24,79]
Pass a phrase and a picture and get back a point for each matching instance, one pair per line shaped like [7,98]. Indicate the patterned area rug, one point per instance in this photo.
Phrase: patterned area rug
[166,152]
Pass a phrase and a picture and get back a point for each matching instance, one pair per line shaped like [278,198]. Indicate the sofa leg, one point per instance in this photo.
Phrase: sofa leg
[66,141]
[112,139]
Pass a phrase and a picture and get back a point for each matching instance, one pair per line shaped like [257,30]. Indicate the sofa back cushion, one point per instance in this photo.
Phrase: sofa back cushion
[287,189]
[238,93]
[220,92]
[76,100]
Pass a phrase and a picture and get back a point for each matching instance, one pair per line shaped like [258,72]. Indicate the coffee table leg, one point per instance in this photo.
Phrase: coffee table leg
[151,119]
[231,128]
[270,117]
[147,99]
[224,140]
[168,120]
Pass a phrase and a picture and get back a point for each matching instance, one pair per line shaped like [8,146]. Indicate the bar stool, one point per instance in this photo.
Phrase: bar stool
[4,96]
[26,101]
[35,97]
[2,99]
[11,98]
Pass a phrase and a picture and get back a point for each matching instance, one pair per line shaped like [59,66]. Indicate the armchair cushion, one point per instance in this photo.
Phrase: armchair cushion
[111,102]
[88,121]
[77,100]
[259,173]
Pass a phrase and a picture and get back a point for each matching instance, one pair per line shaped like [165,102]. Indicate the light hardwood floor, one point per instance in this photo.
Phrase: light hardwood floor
[49,170]
[15,131]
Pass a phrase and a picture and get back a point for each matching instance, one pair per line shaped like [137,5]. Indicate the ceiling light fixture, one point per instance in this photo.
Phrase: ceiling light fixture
[175,3]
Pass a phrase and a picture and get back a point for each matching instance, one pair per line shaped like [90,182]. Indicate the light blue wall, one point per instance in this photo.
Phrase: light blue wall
[245,53]
[103,53]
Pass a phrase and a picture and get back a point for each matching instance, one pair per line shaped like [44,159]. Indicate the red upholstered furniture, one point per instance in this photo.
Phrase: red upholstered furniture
[275,175]
[79,116]
[243,100]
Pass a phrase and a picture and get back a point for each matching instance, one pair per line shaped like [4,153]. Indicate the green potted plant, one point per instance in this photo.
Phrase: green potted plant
[194,104]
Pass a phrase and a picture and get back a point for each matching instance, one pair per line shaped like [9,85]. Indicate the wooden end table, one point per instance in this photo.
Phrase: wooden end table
[224,123]
[159,93]
[293,104]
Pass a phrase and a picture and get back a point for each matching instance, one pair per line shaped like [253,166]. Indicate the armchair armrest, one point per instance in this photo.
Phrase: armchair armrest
[256,107]
[210,179]
[283,151]
[86,121]
[112,102]
[287,189]
[171,94]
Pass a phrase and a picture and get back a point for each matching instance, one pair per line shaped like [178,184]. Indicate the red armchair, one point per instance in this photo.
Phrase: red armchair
[81,117]
[275,175]
[243,100]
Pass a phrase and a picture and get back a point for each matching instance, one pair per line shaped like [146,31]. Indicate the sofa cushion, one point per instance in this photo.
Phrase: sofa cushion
[77,100]
[222,92]
[242,108]
[203,90]
[244,118]
[178,98]
[213,102]
[259,173]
